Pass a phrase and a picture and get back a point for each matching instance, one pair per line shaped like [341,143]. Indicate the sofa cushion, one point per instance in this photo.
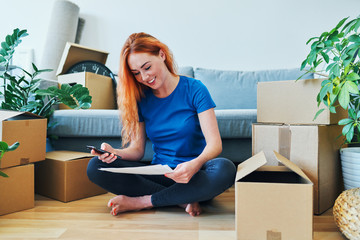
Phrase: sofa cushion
[186,71]
[237,89]
[86,123]
[235,123]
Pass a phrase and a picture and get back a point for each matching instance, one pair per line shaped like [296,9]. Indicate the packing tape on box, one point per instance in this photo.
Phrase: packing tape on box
[285,141]
[273,235]
[24,161]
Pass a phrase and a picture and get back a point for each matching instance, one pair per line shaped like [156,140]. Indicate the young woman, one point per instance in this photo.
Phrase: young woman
[177,114]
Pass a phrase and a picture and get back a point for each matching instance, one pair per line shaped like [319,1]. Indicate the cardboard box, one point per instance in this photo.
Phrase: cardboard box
[101,88]
[29,130]
[293,102]
[272,202]
[62,176]
[314,148]
[17,190]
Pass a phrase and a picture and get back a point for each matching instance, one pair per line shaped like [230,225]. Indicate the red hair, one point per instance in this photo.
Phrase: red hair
[131,91]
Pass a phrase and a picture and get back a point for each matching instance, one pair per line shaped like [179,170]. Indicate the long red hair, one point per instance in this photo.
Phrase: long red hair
[131,91]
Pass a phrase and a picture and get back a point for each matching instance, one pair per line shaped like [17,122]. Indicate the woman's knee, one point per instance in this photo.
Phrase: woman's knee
[225,171]
[229,168]
[92,170]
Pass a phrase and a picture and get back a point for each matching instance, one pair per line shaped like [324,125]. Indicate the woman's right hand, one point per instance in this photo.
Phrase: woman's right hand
[106,157]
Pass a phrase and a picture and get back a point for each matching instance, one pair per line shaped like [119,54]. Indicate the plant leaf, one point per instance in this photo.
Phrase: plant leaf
[303,65]
[351,87]
[345,121]
[311,39]
[354,38]
[350,133]
[3,146]
[341,23]
[9,40]
[5,46]
[318,113]
[347,128]
[344,98]
[353,76]
[352,113]
[327,88]
[13,147]
[325,56]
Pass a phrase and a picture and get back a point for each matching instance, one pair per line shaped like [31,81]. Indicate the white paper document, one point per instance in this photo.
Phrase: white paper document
[146,170]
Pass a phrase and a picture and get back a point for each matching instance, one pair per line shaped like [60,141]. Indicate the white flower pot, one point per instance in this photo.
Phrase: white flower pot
[350,164]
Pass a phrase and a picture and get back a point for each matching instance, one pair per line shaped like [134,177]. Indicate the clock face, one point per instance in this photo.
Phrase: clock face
[91,66]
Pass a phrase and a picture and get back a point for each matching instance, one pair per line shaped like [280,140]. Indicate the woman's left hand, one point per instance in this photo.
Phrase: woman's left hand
[184,171]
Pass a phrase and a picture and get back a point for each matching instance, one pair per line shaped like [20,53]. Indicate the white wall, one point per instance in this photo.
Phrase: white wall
[221,34]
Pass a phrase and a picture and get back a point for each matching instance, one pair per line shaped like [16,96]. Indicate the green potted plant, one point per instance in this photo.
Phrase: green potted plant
[4,147]
[22,92]
[337,53]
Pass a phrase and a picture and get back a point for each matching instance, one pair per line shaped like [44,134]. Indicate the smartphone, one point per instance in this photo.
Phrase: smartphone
[100,151]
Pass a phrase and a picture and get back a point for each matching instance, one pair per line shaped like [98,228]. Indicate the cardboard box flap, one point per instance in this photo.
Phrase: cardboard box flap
[292,166]
[250,165]
[67,155]
[74,53]
[7,114]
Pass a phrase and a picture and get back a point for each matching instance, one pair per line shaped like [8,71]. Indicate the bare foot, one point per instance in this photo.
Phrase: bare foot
[193,209]
[122,203]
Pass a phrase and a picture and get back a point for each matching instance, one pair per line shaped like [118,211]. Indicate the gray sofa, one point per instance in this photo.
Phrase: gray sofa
[234,93]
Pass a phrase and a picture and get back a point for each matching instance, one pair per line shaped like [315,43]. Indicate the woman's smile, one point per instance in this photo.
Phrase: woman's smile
[151,81]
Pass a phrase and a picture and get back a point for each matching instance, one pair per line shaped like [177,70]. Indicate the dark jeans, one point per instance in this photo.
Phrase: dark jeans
[215,177]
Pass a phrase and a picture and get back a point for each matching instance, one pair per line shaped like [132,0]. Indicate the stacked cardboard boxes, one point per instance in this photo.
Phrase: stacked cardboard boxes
[278,200]
[285,124]
[101,88]
[17,191]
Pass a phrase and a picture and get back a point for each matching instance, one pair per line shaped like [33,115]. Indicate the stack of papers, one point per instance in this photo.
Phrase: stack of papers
[145,170]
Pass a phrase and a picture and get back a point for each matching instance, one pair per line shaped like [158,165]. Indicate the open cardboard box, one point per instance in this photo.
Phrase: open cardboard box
[293,102]
[272,202]
[62,176]
[17,190]
[101,87]
[313,148]
[29,130]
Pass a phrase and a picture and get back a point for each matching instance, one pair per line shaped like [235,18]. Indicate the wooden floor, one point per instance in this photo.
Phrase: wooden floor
[90,219]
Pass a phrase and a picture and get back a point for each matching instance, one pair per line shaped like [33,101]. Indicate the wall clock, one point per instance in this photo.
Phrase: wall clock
[94,67]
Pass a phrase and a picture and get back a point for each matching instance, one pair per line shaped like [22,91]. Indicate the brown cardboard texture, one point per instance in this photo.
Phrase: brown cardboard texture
[293,102]
[74,53]
[314,148]
[62,176]
[272,202]
[29,130]
[17,190]
[101,87]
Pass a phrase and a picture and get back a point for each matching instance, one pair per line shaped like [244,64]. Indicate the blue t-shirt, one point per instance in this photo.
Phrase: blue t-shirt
[172,123]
